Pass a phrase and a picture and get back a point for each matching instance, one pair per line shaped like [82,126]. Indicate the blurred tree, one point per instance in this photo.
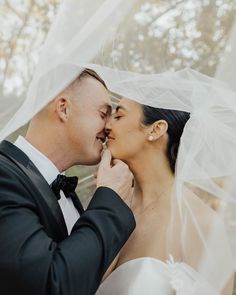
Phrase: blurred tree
[24,25]
[170,35]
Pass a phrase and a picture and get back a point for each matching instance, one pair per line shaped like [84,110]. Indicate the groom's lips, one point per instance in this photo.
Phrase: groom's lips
[101,138]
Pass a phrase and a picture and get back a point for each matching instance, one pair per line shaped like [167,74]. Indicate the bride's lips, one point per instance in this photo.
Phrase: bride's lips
[110,138]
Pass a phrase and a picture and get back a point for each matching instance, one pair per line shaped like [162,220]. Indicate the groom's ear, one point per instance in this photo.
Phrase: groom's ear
[158,129]
[62,108]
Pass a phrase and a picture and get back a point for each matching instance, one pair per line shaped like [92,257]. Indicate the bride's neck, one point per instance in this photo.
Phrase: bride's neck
[153,179]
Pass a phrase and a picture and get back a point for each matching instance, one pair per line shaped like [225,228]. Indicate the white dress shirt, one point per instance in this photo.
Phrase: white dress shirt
[49,172]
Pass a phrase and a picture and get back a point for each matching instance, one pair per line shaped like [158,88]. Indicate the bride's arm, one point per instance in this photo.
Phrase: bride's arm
[228,290]
[111,267]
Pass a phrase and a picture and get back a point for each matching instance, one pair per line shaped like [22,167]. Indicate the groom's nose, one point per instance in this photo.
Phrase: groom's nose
[108,125]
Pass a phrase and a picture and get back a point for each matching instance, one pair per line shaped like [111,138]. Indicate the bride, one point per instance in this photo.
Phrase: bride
[148,139]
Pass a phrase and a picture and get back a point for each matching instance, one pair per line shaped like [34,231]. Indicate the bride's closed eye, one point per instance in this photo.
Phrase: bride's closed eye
[116,115]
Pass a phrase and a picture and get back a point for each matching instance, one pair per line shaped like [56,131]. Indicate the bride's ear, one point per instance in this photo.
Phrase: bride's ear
[157,130]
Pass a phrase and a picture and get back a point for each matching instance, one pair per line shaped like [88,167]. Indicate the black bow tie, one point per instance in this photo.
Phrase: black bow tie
[66,184]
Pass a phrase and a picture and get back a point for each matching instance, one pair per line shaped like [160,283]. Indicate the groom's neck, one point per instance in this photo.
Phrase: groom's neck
[51,146]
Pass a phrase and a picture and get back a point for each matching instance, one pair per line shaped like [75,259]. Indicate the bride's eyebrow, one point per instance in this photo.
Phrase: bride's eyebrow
[120,108]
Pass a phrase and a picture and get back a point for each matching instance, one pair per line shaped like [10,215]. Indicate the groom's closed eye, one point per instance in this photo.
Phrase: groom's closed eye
[105,111]
[103,115]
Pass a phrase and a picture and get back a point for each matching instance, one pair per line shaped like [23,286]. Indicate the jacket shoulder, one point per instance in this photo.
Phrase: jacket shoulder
[8,167]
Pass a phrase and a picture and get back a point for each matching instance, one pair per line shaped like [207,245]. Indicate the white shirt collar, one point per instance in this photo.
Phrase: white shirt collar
[44,165]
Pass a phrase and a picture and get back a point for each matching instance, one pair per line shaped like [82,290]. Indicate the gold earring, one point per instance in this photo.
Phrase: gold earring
[150,138]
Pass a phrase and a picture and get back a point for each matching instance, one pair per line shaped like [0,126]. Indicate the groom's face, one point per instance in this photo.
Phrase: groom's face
[90,109]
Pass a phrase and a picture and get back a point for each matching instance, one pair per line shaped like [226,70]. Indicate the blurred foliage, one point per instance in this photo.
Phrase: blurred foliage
[24,26]
[164,35]
[171,35]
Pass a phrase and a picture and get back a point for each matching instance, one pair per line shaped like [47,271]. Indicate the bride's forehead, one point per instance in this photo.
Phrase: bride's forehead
[127,106]
[127,103]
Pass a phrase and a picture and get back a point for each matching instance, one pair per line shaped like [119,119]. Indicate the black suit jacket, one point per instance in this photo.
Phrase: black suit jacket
[37,257]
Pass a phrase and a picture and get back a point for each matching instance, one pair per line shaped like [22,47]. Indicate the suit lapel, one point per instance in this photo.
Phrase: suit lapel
[24,164]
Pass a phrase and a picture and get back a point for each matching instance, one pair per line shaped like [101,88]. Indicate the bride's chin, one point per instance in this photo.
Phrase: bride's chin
[114,152]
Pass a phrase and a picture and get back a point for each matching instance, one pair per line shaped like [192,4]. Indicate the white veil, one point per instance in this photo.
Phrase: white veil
[206,165]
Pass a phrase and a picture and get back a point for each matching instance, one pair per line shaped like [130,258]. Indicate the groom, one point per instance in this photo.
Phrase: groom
[48,243]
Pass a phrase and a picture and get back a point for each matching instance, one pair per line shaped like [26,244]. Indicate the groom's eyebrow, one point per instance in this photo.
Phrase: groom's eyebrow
[108,107]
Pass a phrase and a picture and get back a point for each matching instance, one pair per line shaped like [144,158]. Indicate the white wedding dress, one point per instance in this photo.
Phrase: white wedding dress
[149,276]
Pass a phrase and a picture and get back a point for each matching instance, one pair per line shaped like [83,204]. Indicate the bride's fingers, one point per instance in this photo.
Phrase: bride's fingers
[116,161]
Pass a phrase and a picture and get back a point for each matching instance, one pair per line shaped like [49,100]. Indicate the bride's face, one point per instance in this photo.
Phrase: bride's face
[126,135]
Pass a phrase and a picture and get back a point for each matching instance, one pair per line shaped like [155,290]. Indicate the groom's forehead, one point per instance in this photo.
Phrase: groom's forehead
[93,91]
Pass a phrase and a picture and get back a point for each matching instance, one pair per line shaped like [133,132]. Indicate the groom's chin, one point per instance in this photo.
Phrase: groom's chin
[95,160]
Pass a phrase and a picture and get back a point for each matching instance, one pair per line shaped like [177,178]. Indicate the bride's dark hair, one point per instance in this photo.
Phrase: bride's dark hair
[176,121]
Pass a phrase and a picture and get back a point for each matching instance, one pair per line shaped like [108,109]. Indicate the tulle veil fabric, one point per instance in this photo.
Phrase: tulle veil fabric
[206,165]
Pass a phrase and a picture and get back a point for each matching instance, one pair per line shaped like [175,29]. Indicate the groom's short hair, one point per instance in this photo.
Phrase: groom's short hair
[86,73]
